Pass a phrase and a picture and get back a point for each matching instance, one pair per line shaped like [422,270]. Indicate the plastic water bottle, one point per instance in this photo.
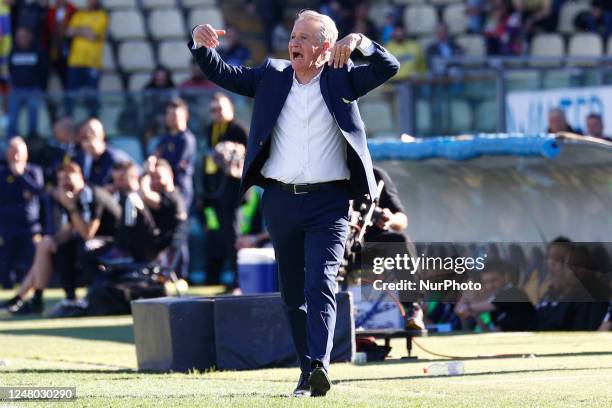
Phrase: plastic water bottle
[360,358]
[450,368]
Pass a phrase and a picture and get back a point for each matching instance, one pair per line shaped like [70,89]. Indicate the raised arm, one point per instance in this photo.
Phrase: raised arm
[382,65]
[241,80]
[152,199]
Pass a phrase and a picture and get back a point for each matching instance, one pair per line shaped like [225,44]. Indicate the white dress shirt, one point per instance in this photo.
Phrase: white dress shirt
[307,145]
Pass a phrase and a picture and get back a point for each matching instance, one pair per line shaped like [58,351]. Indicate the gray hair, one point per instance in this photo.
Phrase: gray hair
[557,110]
[17,140]
[328,32]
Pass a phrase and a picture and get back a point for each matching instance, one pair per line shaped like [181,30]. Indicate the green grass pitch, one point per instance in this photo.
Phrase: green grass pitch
[97,356]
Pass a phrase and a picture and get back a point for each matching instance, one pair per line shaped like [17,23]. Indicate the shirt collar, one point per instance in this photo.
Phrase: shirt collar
[312,81]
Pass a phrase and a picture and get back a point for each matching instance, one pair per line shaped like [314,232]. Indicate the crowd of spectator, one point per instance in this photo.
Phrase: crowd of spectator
[41,38]
[507,26]
[45,38]
[58,39]
[593,125]
[77,188]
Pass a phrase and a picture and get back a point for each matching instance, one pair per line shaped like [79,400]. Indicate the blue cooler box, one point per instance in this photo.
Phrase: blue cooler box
[257,270]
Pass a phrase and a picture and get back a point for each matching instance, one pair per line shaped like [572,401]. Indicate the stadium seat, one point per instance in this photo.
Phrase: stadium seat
[378,13]
[420,19]
[426,41]
[44,120]
[555,79]
[180,76]
[407,2]
[520,80]
[473,45]
[460,116]
[568,13]
[110,83]
[149,4]
[136,56]
[486,115]
[166,24]
[130,145]
[109,58]
[423,117]
[198,3]
[109,115]
[210,16]
[138,80]
[377,116]
[443,2]
[126,24]
[547,45]
[585,45]
[119,4]
[151,145]
[174,55]
[455,18]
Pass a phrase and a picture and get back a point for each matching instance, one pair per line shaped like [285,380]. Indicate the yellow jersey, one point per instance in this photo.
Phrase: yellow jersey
[411,57]
[86,53]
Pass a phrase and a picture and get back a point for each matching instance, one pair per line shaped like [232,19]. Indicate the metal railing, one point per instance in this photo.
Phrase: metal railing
[459,95]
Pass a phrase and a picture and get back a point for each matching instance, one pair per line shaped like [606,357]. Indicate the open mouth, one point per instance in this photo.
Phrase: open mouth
[296,55]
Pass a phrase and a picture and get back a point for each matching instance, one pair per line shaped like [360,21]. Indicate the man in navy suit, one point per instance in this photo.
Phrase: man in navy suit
[307,147]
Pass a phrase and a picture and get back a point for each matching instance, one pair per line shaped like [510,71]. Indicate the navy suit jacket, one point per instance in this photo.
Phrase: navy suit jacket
[270,84]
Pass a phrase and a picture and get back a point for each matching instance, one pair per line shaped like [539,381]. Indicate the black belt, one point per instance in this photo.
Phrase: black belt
[307,188]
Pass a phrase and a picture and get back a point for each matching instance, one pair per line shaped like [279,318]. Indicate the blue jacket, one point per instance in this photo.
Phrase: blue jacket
[19,200]
[29,68]
[270,84]
[100,173]
[180,151]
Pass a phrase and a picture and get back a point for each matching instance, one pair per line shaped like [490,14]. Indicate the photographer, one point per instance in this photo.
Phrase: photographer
[389,217]
[389,222]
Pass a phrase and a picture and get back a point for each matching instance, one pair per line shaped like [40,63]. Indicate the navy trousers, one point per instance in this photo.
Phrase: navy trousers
[308,232]
[16,252]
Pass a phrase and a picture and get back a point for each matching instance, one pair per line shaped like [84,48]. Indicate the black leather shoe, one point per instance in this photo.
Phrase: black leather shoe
[303,386]
[10,303]
[26,307]
[319,382]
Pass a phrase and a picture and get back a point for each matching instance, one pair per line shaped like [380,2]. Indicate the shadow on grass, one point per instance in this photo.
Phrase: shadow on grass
[72,371]
[119,333]
[481,373]
[492,357]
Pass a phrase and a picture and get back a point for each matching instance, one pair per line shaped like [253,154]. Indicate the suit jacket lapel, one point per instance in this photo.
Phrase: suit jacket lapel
[278,95]
[284,88]
[325,87]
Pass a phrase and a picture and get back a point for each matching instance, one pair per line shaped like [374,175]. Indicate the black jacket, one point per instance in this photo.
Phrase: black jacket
[29,68]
